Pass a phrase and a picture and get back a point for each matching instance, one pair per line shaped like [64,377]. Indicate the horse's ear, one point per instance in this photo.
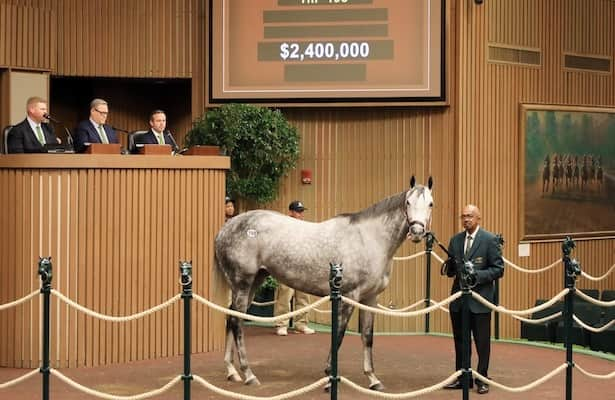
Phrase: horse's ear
[430,182]
[412,182]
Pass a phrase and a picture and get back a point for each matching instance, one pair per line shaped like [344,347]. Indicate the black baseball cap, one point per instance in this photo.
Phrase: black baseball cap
[296,206]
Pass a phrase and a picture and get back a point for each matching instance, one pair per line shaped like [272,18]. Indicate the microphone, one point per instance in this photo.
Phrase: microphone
[50,118]
[175,146]
[119,129]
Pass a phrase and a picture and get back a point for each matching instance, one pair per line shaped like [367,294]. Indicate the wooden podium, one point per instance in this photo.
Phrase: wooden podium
[103,148]
[159,149]
[203,151]
[116,227]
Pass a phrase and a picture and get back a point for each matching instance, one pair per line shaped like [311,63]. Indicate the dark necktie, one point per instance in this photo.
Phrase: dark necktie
[468,246]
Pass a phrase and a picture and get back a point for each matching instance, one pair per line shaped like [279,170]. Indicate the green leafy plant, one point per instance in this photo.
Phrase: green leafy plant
[270,283]
[262,144]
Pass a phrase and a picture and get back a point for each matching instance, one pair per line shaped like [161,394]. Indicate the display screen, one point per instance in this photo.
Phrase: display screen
[285,51]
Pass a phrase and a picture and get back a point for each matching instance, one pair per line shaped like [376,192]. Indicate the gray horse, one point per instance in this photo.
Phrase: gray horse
[253,245]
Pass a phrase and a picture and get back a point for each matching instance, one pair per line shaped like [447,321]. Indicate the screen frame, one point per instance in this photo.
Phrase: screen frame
[393,101]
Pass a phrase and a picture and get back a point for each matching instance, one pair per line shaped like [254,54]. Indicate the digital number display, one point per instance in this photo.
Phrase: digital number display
[303,51]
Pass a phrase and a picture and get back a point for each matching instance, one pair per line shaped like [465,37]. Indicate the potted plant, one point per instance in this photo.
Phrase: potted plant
[262,144]
[264,294]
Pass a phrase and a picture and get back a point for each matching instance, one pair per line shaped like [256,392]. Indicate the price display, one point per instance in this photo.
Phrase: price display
[303,51]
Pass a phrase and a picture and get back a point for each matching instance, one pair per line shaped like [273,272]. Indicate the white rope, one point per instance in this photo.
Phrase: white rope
[441,307]
[322,311]
[402,314]
[410,307]
[607,376]
[406,395]
[267,303]
[103,395]
[591,278]
[250,317]
[594,301]
[539,320]
[437,257]
[19,379]
[410,257]
[525,388]
[532,310]
[112,318]
[19,301]
[532,271]
[288,395]
[591,328]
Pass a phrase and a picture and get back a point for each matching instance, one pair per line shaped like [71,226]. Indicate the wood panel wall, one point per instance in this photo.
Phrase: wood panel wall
[105,38]
[116,228]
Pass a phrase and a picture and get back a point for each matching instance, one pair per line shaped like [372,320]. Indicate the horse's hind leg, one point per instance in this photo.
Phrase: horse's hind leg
[231,372]
[366,321]
[235,325]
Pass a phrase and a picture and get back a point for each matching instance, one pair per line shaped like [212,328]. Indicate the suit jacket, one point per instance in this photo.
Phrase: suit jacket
[486,255]
[150,138]
[22,139]
[87,133]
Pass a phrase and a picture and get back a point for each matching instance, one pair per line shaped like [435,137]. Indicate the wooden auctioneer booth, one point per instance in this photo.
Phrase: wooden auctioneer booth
[116,227]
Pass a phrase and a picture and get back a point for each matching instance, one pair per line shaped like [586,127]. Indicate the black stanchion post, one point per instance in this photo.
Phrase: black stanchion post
[45,271]
[335,284]
[496,297]
[572,269]
[429,239]
[467,280]
[185,269]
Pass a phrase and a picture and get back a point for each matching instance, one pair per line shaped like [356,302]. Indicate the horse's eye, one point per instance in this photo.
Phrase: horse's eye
[431,205]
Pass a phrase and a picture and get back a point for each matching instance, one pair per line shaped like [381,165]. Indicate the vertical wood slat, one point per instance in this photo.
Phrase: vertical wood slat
[108,232]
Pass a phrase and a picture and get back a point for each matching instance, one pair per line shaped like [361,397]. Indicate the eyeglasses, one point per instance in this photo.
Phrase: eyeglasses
[102,112]
[467,216]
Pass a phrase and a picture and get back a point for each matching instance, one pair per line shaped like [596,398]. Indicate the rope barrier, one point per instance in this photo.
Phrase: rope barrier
[411,306]
[406,395]
[250,317]
[446,310]
[403,314]
[112,318]
[282,396]
[267,303]
[437,257]
[532,310]
[591,278]
[410,257]
[103,395]
[607,376]
[19,301]
[594,301]
[591,328]
[532,271]
[525,388]
[19,379]
[539,320]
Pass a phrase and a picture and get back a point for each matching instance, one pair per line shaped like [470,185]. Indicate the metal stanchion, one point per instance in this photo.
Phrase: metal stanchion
[45,271]
[429,239]
[185,268]
[572,269]
[335,284]
[496,297]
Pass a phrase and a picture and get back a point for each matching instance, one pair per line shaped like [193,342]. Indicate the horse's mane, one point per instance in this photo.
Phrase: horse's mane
[391,203]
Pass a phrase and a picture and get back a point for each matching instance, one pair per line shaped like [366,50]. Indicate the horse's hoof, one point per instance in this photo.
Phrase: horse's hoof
[234,378]
[378,387]
[253,381]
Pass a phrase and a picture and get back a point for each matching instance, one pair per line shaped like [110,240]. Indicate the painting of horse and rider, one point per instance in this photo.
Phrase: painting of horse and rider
[568,171]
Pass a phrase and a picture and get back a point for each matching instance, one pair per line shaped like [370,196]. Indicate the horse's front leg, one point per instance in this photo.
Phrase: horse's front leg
[366,321]
[344,317]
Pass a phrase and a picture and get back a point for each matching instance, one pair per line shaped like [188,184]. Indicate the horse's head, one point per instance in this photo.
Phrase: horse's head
[418,209]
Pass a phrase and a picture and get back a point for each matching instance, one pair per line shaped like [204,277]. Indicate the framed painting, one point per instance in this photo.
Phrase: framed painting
[567,172]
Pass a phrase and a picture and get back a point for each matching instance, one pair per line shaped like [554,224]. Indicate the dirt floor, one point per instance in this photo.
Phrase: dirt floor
[403,363]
